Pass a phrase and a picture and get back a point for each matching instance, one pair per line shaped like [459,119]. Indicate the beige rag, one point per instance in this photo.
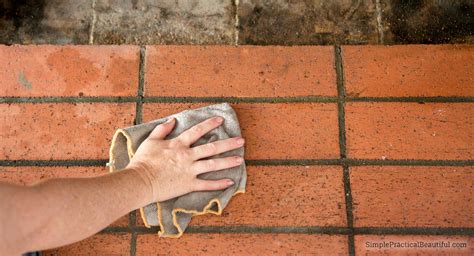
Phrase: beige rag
[174,215]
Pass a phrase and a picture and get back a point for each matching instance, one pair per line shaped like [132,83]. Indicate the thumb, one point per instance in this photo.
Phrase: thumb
[163,129]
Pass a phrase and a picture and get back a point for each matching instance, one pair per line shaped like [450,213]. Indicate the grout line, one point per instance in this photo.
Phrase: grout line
[413,231]
[340,102]
[237,22]
[94,20]
[164,99]
[138,120]
[82,162]
[240,99]
[306,230]
[272,162]
[133,244]
[342,146]
[407,162]
[451,99]
[52,99]
[141,86]
[262,162]
[378,9]
[349,213]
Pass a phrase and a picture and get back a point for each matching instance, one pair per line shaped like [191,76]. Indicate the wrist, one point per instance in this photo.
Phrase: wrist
[143,181]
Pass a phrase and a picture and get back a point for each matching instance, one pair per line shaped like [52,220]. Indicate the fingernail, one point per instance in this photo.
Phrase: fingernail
[240,141]
[230,182]
[239,160]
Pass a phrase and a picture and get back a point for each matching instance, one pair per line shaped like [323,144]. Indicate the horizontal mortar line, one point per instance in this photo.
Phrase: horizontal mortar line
[159,99]
[258,162]
[406,162]
[307,230]
[414,231]
[236,229]
[72,99]
[85,162]
[448,99]
[262,162]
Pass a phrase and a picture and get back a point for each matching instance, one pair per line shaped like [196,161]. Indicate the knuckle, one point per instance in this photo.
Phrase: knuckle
[197,129]
[211,148]
[211,163]
[175,142]
[181,154]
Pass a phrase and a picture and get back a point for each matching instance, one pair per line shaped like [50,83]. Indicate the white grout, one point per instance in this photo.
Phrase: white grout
[236,24]
[378,8]
[94,20]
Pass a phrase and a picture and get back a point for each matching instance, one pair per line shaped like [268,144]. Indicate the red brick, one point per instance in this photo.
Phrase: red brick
[280,131]
[100,244]
[243,244]
[364,245]
[410,130]
[413,196]
[409,70]
[28,175]
[62,130]
[249,71]
[285,196]
[49,70]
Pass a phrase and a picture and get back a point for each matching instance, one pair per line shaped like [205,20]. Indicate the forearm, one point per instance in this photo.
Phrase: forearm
[62,211]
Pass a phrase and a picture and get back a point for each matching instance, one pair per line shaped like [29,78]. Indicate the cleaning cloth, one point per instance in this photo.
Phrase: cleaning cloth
[174,215]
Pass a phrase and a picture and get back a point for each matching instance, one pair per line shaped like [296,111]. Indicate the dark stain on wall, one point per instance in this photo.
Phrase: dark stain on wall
[431,21]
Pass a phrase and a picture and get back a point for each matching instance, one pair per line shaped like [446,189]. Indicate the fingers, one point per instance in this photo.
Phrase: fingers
[193,134]
[202,185]
[216,164]
[217,147]
[163,129]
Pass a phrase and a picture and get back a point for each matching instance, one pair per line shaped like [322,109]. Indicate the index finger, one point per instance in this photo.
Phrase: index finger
[193,134]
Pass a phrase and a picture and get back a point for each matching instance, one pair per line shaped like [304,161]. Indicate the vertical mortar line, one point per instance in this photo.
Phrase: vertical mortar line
[141,86]
[132,217]
[237,22]
[94,20]
[378,9]
[133,244]
[341,96]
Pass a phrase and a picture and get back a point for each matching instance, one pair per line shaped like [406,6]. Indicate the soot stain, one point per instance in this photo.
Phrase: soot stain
[23,14]
[428,21]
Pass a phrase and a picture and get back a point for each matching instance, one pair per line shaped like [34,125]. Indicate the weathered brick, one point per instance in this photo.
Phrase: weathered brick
[291,131]
[410,130]
[100,244]
[28,175]
[61,131]
[364,245]
[409,70]
[413,196]
[243,244]
[284,196]
[48,70]
[240,71]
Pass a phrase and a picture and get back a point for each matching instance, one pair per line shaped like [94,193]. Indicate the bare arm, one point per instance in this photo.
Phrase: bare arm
[57,212]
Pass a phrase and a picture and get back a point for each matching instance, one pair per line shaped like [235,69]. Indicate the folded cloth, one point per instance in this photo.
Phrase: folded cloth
[174,215]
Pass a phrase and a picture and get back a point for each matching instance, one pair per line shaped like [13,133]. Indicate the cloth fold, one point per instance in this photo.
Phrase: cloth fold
[174,215]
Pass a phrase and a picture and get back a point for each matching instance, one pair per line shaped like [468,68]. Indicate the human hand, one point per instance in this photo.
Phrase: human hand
[170,167]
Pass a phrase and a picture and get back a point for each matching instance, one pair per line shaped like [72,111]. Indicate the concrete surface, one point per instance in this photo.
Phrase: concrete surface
[263,22]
